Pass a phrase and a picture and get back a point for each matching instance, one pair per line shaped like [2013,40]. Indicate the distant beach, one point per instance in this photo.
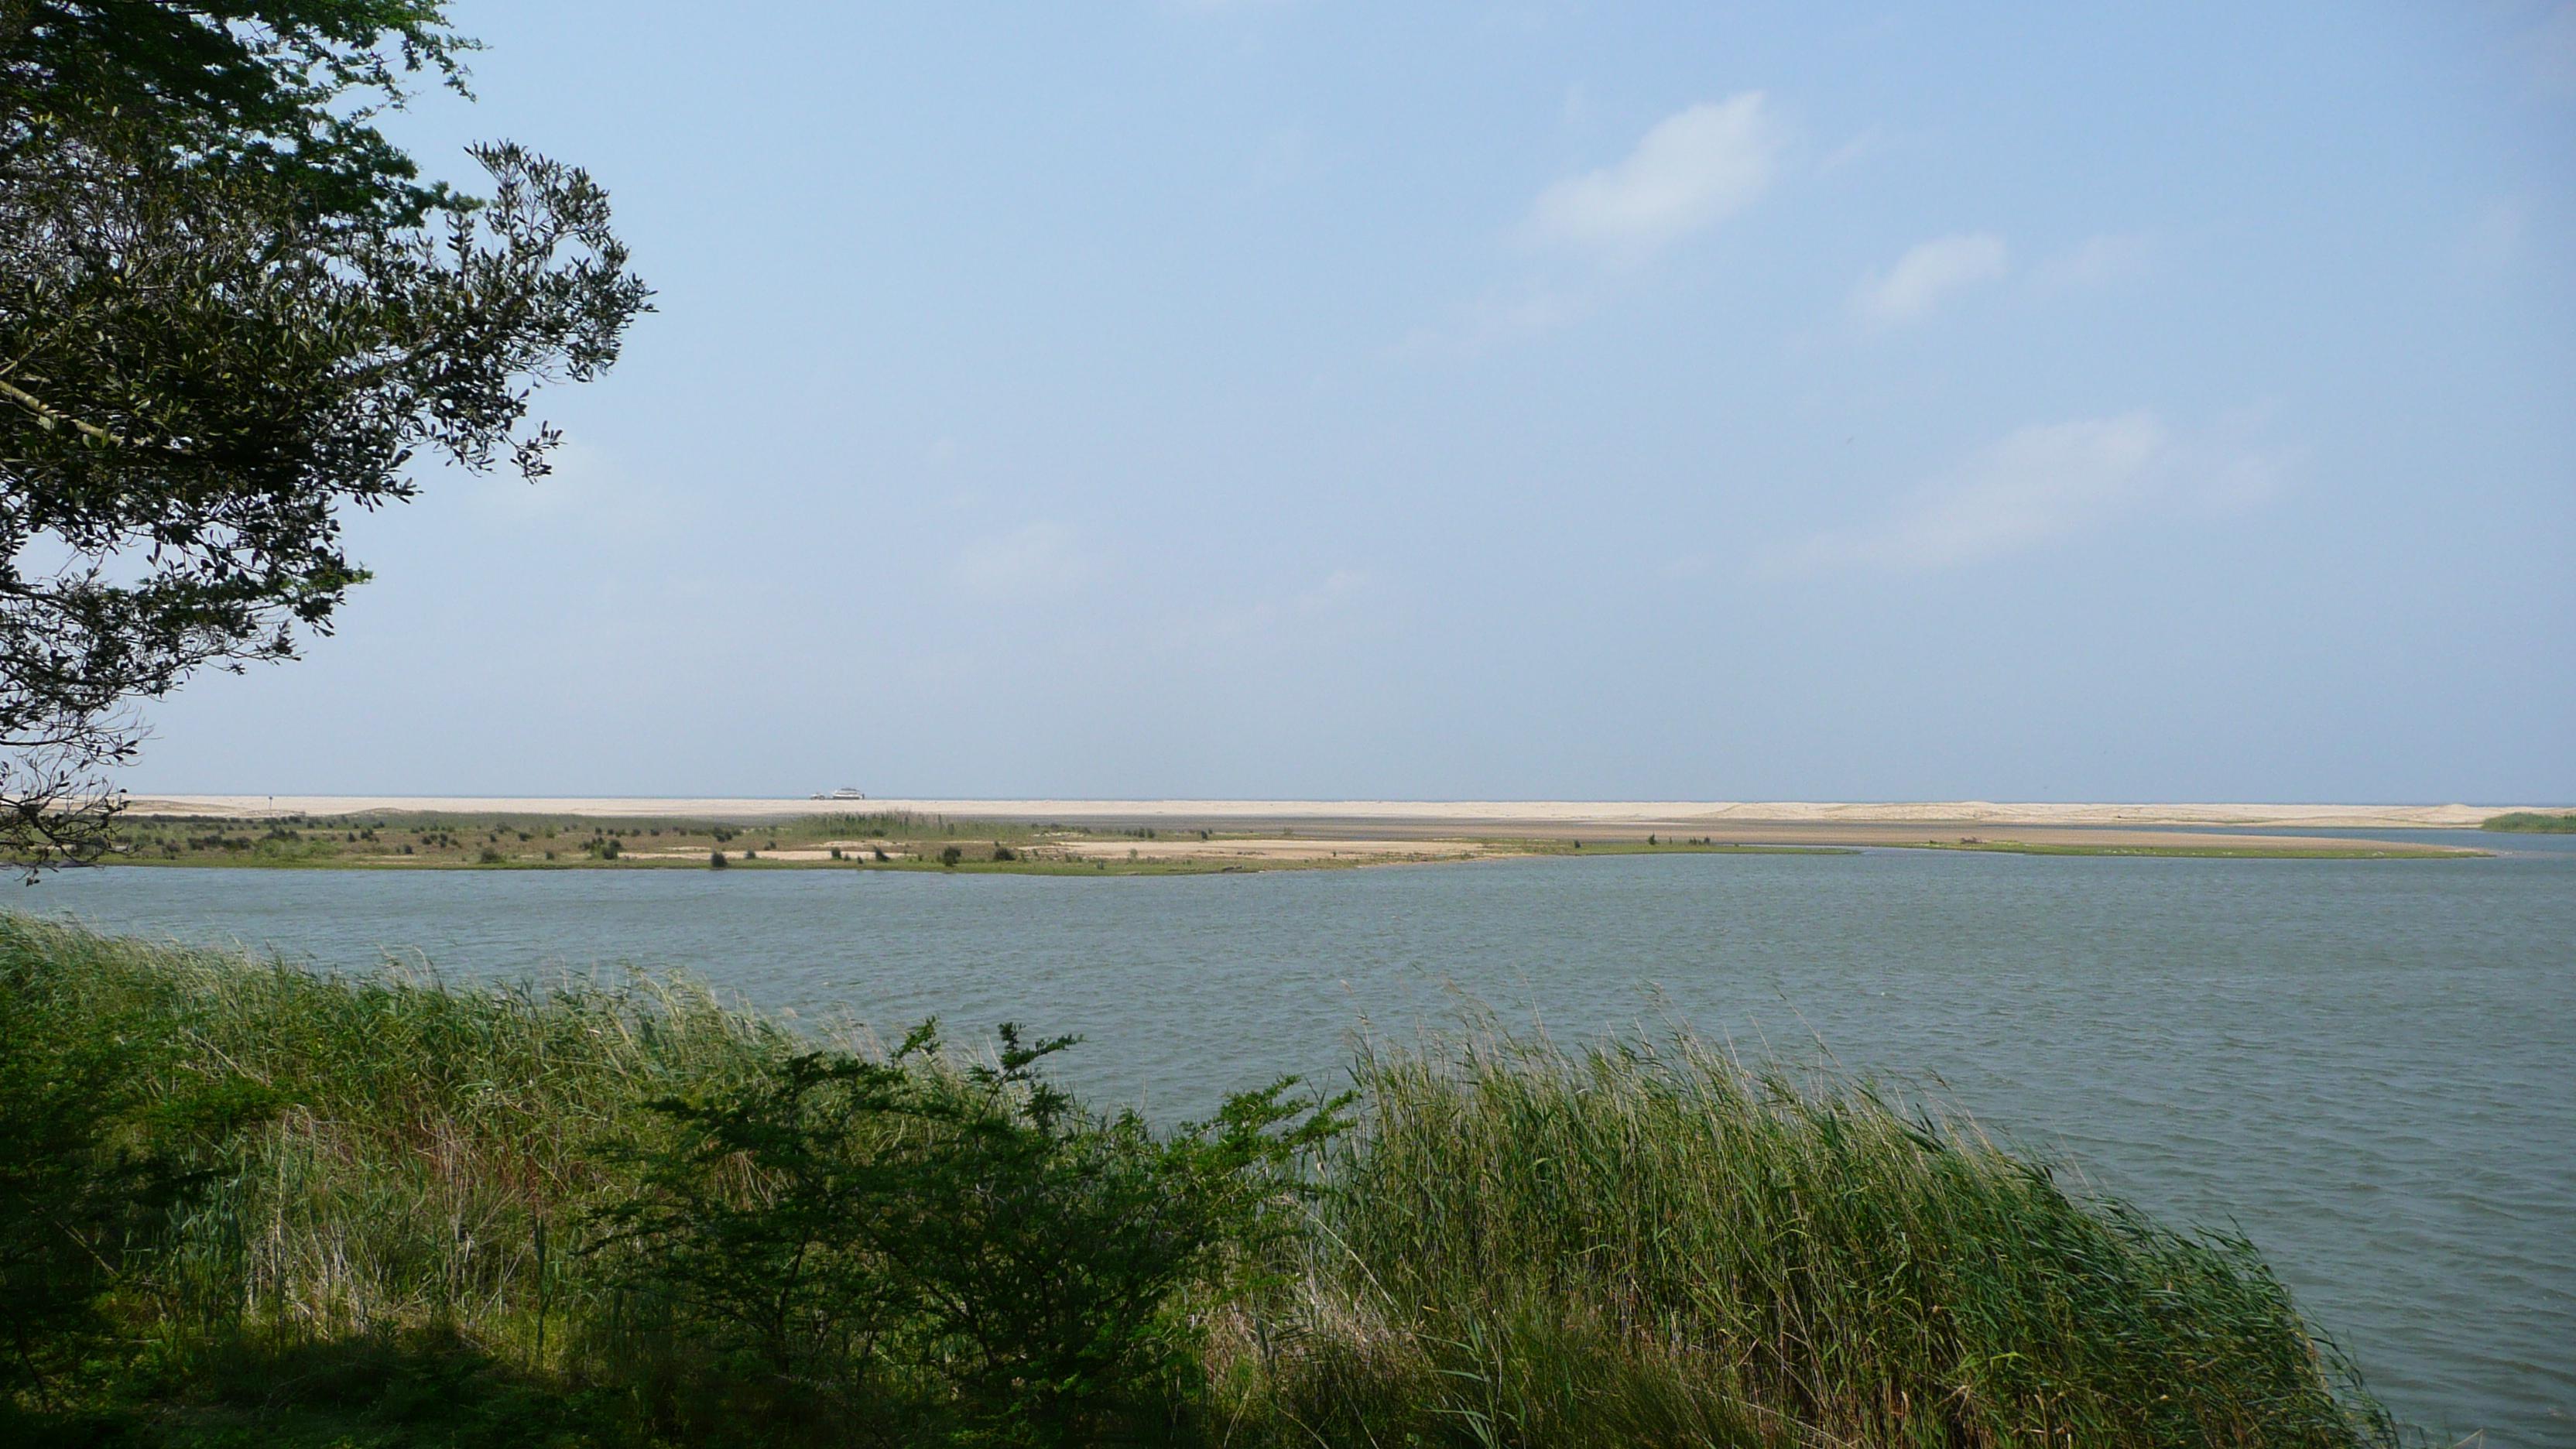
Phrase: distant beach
[1256,834]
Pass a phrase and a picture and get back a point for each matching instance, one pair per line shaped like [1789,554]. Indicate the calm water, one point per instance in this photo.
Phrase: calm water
[2368,1067]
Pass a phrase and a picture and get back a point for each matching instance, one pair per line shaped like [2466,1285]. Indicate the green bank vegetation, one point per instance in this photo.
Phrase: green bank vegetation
[2533,822]
[884,840]
[243,1204]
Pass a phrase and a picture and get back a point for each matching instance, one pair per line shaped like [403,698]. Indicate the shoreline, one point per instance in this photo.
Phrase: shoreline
[168,833]
[1680,815]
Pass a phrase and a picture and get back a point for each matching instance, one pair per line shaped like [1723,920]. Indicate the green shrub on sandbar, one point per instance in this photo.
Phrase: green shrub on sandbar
[2533,822]
[394,1211]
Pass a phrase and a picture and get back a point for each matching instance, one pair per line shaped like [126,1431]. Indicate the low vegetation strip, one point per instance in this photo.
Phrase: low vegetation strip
[885,840]
[2533,822]
[243,1203]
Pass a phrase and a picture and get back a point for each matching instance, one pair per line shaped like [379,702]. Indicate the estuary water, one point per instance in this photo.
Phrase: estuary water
[2366,1067]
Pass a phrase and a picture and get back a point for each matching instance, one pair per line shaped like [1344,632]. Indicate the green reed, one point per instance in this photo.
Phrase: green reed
[1638,1242]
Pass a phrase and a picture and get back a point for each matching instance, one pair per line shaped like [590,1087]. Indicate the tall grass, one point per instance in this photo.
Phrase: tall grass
[1637,1243]
[427,1151]
[1628,1243]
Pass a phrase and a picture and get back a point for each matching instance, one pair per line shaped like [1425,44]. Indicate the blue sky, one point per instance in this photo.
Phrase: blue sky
[1305,398]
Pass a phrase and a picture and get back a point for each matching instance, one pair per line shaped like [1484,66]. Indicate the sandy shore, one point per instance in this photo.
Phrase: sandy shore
[1406,817]
[1225,850]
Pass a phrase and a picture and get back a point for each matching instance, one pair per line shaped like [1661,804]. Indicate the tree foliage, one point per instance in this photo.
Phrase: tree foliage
[230,308]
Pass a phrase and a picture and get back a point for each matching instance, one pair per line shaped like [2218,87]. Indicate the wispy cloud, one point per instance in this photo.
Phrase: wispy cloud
[2036,485]
[1691,171]
[1859,148]
[1927,275]
[589,491]
[1329,596]
[1033,559]
[2096,261]
[1491,322]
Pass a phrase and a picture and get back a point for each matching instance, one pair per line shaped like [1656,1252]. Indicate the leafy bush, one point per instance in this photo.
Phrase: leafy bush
[963,1238]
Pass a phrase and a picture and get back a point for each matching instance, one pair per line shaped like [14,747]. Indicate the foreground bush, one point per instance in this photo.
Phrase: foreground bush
[943,1246]
[240,1203]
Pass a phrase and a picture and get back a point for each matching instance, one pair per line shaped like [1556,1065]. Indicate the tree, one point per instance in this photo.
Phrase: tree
[230,309]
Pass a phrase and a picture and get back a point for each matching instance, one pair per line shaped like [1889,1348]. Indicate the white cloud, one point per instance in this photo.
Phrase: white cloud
[1329,596]
[1693,170]
[1923,277]
[589,491]
[1029,560]
[1494,321]
[1859,148]
[2039,484]
[2097,261]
